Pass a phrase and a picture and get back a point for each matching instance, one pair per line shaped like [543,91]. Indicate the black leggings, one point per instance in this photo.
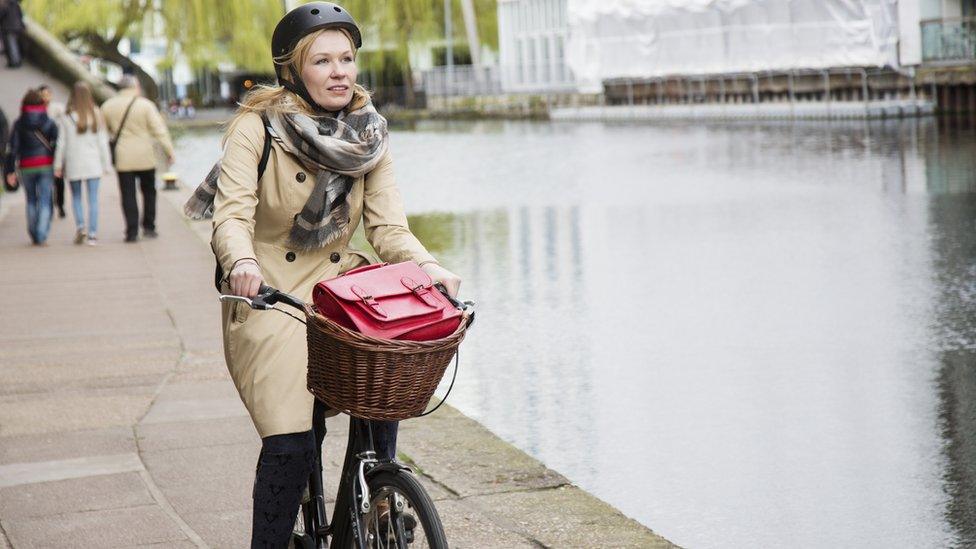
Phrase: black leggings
[284,465]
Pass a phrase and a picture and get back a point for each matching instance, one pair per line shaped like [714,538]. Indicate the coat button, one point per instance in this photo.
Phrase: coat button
[300,177]
[334,257]
[290,256]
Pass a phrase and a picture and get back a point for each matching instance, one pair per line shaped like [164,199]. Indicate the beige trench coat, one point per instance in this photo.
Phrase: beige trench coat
[134,151]
[266,351]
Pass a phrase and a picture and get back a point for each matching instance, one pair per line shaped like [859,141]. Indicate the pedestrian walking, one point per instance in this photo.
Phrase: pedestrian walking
[135,126]
[31,154]
[55,110]
[82,157]
[11,29]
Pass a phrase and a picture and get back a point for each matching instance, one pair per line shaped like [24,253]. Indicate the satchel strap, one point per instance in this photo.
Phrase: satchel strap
[422,292]
[368,300]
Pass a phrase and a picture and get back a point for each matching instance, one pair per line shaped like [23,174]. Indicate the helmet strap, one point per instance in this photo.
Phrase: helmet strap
[296,86]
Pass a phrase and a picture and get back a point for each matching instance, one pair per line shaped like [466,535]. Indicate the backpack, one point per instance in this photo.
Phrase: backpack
[262,165]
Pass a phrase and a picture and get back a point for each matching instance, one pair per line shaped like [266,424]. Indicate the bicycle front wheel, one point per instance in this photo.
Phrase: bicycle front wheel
[401,514]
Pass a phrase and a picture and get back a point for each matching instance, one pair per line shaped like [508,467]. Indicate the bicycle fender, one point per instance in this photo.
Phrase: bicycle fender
[388,466]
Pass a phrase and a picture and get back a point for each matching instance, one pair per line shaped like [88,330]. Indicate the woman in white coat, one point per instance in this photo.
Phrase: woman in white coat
[82,156]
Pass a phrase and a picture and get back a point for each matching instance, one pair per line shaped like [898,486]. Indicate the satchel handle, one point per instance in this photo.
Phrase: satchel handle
[364,268]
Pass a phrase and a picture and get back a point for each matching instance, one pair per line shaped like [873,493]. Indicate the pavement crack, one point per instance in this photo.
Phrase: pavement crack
[418,470]
[147,479]
[529,490]
[4,537]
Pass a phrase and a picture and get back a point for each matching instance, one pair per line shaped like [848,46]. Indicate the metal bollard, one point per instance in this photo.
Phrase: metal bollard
[171,181]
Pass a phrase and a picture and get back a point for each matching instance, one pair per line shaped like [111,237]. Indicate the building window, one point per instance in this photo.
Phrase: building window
[532,77]
[560,60]
[545,67]
[519,61]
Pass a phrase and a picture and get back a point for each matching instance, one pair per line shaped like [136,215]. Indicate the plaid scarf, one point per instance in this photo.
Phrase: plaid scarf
[337,150]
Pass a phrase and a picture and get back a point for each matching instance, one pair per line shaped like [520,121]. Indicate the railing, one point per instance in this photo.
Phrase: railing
[950,39]
[463,80]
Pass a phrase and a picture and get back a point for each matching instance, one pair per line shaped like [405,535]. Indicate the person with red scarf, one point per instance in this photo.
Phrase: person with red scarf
[31,154]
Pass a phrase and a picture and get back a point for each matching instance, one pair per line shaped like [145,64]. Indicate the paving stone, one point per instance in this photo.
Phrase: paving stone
[468,526]
[15,474]
[170,411]
[566,517]
[196,434]
[205,479]
[66,445]
[223,528]
[75,495]
[24,414]
[95,529]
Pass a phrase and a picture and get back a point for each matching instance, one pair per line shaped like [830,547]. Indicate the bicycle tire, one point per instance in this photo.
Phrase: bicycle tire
[417,502]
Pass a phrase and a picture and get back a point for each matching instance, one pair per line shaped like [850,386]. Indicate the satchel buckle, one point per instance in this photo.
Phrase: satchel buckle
[368,300]
[421,291]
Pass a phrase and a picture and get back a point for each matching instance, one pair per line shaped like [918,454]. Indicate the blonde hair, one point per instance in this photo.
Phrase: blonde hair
[275,98]
[82,104]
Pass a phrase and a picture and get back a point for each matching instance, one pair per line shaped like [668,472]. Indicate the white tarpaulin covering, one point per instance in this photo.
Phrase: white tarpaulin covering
[642,38]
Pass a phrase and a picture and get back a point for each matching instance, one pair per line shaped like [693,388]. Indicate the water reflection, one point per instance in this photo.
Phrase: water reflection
[951,171]
[751,333]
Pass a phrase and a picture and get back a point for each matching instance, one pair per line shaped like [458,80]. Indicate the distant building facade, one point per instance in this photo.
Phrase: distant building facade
[532,37]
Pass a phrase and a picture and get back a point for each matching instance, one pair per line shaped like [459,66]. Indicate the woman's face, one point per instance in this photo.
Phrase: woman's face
[330,71]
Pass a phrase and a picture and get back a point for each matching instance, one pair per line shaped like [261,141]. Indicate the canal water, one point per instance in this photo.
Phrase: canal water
[740,335]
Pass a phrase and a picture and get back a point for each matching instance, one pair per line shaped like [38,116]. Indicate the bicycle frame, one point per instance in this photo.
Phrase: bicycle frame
[360,464]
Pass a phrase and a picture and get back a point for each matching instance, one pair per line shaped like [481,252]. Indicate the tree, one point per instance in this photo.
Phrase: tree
[205,32]
[392,26]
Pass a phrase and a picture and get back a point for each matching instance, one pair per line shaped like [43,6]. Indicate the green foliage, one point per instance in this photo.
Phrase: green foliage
[207,32]
[389,27]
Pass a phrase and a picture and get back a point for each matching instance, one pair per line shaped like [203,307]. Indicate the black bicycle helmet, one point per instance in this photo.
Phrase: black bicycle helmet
[301,22]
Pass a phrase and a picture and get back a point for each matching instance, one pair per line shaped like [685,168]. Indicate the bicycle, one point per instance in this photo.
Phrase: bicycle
[384,503]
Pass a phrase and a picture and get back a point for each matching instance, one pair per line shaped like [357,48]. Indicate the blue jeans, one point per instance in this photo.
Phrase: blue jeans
[38,187]
[92,185]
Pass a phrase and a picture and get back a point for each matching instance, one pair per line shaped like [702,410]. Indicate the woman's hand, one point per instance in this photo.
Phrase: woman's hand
[437,273]
[245,278]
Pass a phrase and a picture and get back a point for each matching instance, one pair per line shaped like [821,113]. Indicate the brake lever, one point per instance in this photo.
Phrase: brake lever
[443,289]
[256,303]
[466,306]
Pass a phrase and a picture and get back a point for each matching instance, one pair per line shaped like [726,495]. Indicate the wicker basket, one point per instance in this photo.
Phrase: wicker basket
[369,378]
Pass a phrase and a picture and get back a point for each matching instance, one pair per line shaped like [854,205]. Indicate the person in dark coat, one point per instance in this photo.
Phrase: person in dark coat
[4,130]
[31,154]
[11,29]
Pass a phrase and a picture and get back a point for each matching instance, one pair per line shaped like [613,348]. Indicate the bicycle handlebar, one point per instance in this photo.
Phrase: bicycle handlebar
[268,297]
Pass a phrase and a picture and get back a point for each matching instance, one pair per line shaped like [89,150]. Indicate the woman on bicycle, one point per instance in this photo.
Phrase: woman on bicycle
[329,168]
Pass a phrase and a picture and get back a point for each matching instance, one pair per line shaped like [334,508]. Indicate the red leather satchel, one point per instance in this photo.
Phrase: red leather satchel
[387,302]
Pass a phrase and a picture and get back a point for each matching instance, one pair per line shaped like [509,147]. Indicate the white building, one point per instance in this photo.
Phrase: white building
[532,38]
[547,45]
